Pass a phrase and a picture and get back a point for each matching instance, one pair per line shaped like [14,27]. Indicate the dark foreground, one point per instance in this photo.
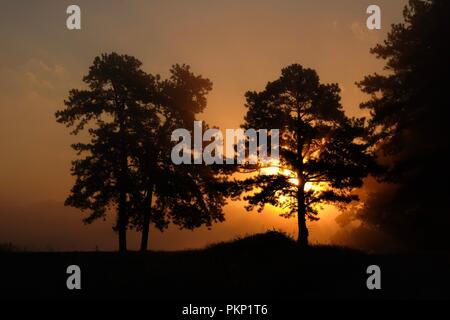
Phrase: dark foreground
[267,266]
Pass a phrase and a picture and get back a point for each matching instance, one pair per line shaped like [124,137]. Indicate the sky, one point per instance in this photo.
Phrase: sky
[238,45]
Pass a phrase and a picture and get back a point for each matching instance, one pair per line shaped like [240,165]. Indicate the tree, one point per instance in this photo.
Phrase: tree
[409,107]
[129,116]
[323,154]
[114,106]
[186,195]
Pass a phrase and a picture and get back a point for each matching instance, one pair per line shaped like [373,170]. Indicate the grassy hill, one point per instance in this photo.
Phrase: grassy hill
[261,266]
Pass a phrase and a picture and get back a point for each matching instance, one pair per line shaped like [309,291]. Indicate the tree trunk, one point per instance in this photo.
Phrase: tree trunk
[122,223]
[122,219]
[122,238]
[302,239]
[146,222]
[122,214]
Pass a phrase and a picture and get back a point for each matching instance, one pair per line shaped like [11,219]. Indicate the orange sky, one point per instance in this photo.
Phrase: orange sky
[239,45]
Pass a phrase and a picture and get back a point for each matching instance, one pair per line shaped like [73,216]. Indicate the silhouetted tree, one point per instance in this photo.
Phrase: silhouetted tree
[410,109]
[129,116]
[114,107]
[323,154]
[186,195]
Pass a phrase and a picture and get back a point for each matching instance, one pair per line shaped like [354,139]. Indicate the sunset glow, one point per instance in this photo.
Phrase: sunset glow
[238,45]
[275,170]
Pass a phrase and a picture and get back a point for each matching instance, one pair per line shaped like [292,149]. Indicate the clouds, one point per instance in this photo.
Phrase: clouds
[239,45]
[35,156]
[361,33]
[44,73]
[34,77]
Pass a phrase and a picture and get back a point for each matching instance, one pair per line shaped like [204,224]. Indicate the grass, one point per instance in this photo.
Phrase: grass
[260,266]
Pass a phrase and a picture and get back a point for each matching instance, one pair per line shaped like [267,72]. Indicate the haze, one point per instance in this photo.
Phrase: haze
[239,45]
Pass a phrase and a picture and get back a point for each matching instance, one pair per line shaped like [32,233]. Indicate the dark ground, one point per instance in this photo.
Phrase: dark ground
[265,266]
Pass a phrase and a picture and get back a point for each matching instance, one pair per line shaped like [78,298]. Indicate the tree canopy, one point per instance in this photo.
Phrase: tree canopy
[128,115]
[410,110]
[323,153]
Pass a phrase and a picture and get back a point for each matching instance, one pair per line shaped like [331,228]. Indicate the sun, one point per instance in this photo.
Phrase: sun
[275,169]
